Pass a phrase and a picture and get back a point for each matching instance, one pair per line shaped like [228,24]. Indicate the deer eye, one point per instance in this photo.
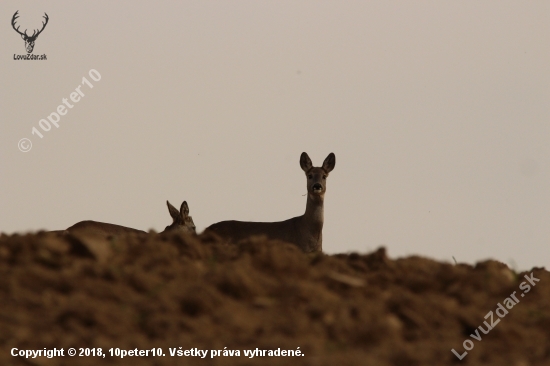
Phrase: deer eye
[309,176]
[324,177]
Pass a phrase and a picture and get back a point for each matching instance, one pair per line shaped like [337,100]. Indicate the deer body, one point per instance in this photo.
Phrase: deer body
[303,231]
[181,222]
[102,228]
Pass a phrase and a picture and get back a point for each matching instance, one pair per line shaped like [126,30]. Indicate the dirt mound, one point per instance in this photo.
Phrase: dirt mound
[168,291]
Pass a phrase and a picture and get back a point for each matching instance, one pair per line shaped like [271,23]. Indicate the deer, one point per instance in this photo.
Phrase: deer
[29,40]
[182,222]
[303,231]
[181,219]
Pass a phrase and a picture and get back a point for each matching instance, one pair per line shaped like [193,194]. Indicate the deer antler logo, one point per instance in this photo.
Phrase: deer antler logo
[29,40]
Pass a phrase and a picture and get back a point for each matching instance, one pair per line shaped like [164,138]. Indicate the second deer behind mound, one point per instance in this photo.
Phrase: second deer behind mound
[181,222]
[304,231]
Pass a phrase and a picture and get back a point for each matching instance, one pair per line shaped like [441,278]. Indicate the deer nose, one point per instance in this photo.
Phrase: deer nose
[317,187]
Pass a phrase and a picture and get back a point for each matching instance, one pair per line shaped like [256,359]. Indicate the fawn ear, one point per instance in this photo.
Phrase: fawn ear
[329,162]
[184,209]
[173,211]
[305,162]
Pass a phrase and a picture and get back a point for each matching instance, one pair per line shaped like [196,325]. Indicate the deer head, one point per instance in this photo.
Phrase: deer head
[29,40]
[182,221]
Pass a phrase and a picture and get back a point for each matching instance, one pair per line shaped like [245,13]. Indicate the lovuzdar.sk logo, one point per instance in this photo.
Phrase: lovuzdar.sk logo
[29,40]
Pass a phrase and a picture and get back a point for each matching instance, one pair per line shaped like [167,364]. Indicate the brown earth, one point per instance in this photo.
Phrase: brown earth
[173,290]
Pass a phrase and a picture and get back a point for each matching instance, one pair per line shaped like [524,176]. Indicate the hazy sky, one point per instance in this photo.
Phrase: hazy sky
[438,113]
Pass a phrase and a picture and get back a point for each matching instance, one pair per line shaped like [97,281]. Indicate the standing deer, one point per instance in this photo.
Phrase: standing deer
[181,222]
[304,231]
[29,40]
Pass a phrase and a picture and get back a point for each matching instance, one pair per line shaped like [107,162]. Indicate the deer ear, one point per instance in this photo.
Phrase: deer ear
[329,162]
[173,211]
[184,209]
[23,36]
[305,162]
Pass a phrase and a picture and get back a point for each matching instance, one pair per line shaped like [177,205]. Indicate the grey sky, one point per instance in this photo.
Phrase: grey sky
[437,111]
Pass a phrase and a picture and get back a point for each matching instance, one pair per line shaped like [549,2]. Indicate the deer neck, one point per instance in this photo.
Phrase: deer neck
[314,217]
